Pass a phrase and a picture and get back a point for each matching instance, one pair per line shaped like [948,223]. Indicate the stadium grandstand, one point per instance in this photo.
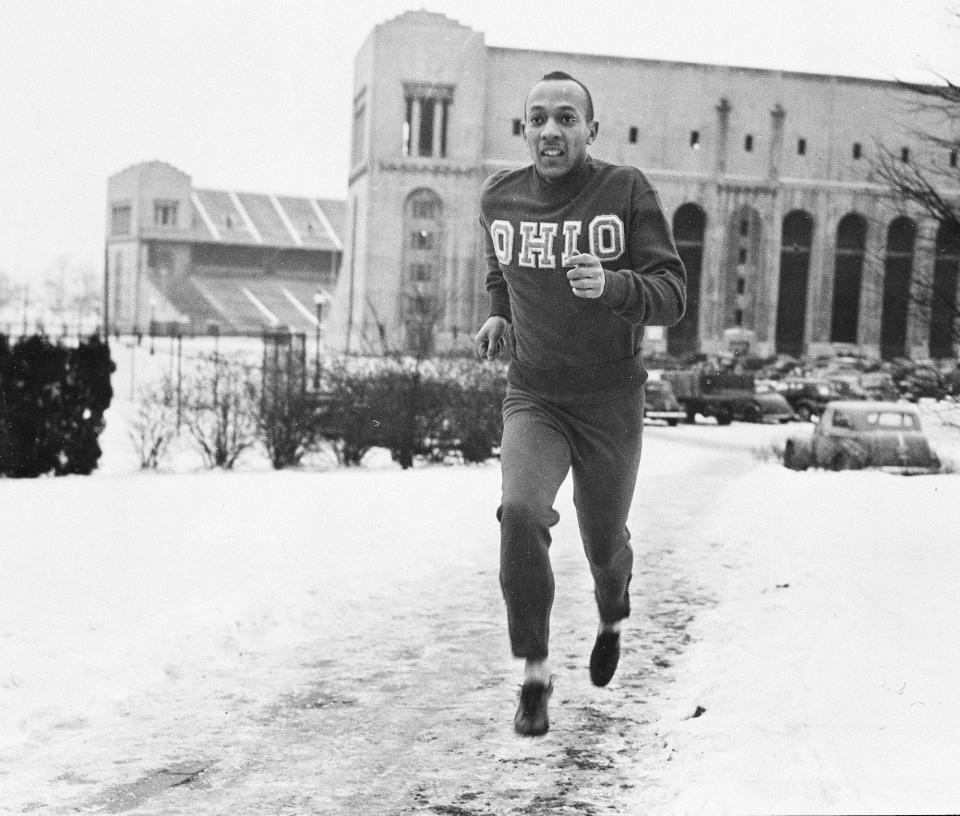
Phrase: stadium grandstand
[200,261]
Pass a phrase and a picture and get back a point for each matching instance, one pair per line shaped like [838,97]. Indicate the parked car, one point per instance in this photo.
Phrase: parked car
[864,434]
[879,385]
[920,382]
[659,402]
[808,396]
[848,386]
[767,405]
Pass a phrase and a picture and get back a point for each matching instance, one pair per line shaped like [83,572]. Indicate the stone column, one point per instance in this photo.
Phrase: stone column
[921,290]
[871,286]
[711,290]
[723,129]
[818,306]
[777,115]
[768,285]
[415,126]
[438,109]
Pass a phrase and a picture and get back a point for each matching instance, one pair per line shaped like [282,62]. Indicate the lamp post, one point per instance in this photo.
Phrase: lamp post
[153,321]
[320,299]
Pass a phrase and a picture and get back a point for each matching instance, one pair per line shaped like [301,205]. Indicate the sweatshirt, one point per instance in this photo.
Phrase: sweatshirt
[560,343]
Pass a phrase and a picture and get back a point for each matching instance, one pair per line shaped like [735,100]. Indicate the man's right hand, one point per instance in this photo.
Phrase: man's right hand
[490,340]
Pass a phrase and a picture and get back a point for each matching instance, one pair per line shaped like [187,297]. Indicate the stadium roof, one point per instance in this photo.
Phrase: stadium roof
[265,219]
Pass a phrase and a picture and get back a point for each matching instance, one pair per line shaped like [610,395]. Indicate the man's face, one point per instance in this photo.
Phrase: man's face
[556,129]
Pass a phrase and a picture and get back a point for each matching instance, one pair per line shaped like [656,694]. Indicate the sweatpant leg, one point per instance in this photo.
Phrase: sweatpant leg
[534,459]
[607,444]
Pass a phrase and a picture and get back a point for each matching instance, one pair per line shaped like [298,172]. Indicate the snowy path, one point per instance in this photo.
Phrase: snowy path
[333,641]
[382,682]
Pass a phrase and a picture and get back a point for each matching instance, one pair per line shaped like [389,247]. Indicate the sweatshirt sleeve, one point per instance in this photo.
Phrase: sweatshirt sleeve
[496,285]
[654,291]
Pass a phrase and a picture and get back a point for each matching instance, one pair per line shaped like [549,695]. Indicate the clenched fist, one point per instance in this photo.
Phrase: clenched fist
[587,277]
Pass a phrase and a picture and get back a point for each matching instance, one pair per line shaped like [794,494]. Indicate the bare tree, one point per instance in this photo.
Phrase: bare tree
[929,181]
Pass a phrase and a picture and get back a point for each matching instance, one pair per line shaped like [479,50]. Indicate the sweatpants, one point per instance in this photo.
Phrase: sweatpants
[600,439]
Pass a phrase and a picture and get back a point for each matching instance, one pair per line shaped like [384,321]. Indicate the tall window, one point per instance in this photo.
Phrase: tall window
[848,278]
[740,275]
[423,263]
[426,119]
[120,219]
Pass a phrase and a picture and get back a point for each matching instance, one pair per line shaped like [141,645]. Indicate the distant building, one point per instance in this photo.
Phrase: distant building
[205,261]
[791,246]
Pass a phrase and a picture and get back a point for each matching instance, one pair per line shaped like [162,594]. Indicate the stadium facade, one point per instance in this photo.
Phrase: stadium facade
[791,245]
[201,261]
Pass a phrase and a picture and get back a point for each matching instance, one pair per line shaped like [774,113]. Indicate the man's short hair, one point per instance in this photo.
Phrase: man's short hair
[556,75]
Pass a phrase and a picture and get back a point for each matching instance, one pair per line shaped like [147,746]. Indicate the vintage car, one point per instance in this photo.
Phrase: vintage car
[766,405]
[809,396]
[864,434]
[659,402]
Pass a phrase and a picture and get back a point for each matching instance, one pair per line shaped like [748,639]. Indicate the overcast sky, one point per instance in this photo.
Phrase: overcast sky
[256,95]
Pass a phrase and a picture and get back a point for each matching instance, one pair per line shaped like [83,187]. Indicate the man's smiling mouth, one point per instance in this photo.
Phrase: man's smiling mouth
[552,152]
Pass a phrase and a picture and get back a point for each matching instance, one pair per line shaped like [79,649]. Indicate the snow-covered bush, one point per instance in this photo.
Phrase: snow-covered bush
[154,426]
[219,409]
[416,408]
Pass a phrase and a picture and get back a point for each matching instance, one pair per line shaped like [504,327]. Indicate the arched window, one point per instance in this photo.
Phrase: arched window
[689,222]
[421,303]
[797,237]
[897,272]
[943,297]
[848,277]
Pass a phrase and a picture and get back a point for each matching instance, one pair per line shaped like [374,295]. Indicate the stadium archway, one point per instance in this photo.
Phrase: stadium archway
[689,223]
[897,272]
[943,297]
[794,276]
[848,278]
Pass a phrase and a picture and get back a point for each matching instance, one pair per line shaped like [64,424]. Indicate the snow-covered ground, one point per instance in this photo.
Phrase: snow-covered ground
[137,610]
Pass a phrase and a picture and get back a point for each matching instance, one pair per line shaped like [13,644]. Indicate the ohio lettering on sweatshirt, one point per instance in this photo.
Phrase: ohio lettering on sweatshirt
[560,342]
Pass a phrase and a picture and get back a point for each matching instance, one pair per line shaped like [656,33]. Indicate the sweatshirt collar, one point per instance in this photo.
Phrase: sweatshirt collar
[565,188]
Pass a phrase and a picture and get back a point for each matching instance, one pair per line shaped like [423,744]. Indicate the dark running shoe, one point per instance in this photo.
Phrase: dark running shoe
[604,658]
[531,719]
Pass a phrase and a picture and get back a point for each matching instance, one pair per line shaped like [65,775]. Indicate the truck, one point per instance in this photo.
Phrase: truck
[724,395]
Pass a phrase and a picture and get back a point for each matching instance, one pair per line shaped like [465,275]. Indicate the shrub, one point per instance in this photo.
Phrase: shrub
[219,408]
[287,425]
[348,407]
[416,408]
[155,424]
[768,454]
[52,402]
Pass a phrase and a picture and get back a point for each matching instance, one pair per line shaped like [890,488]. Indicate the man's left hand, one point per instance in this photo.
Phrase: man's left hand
[587,278]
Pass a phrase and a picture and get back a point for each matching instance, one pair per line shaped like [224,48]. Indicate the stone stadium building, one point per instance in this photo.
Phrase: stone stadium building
[791,245]
[200,261]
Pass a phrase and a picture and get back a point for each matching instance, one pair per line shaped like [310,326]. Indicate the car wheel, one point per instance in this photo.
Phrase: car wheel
[724,417]
[792,459]
[752,413]
[672,423]
[804,412]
